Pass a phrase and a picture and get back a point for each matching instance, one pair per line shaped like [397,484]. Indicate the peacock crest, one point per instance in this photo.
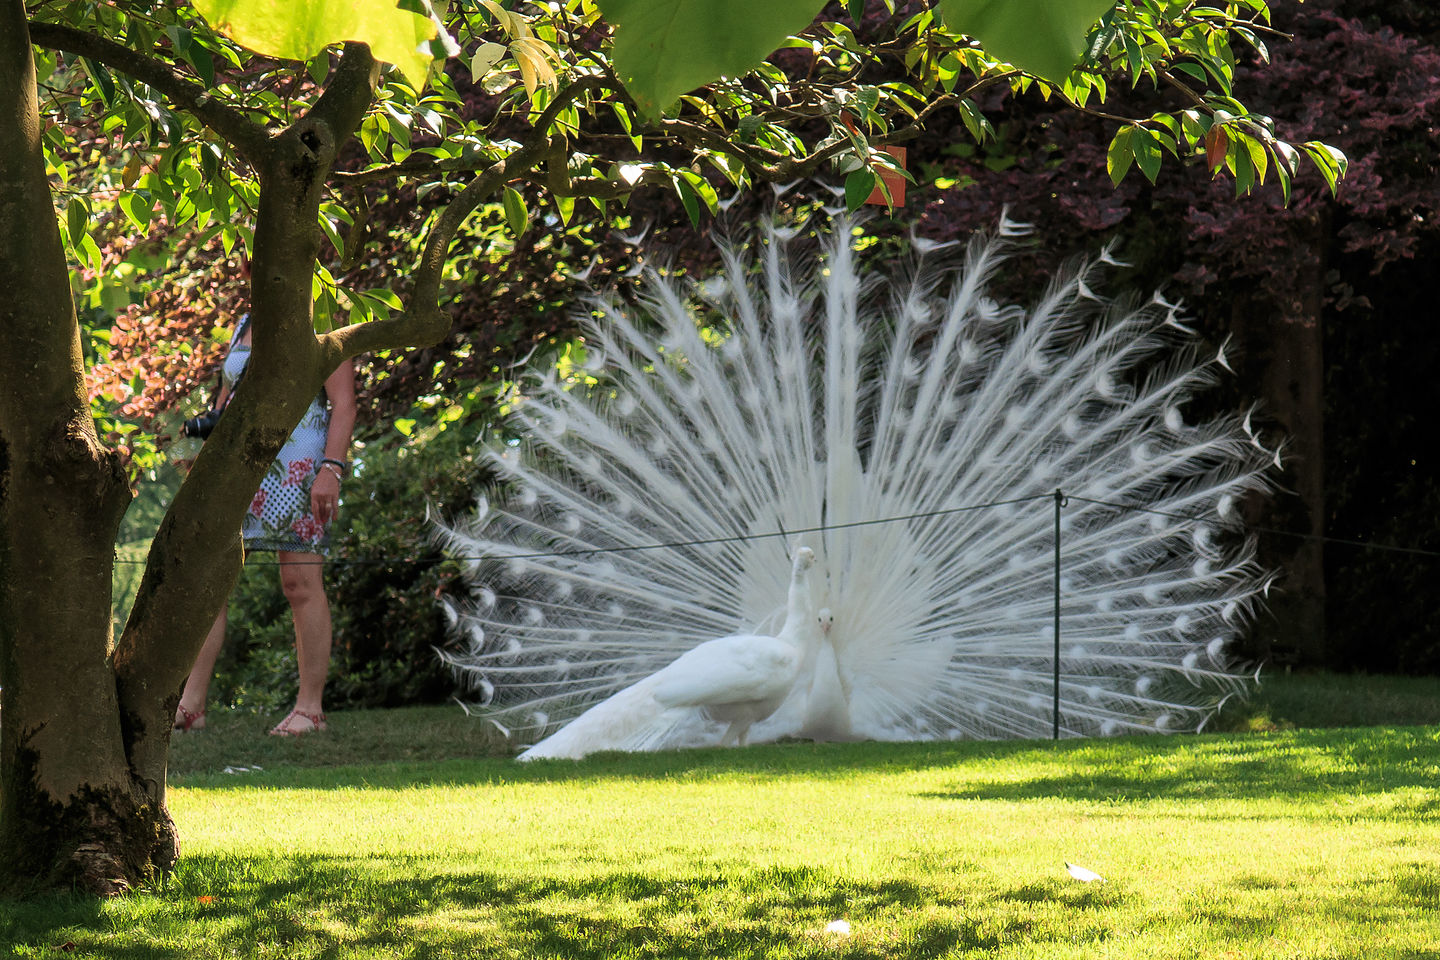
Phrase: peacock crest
[912,432]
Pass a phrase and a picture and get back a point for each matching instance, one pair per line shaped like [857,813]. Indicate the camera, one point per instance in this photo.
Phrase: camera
[200,427]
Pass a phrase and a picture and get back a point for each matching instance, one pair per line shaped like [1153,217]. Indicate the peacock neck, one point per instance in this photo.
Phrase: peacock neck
[798,607]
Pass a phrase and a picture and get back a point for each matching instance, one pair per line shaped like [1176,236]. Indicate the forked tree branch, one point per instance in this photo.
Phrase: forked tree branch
[423,322]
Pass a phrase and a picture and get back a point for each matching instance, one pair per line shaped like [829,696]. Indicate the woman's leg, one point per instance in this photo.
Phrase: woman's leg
[301,577]
[190,715]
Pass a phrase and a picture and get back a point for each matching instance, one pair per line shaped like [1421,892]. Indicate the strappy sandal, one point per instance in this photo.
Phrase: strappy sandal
[282,729]
[188,720]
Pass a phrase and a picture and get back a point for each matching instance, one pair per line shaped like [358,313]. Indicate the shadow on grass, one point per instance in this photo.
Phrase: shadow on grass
[326,906]
[332,906]
[1292,764]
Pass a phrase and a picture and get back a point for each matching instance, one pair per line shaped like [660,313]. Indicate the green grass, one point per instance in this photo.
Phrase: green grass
[1337,700]
[1291,843]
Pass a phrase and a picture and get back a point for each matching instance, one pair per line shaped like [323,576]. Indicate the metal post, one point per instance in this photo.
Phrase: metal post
[1059,502]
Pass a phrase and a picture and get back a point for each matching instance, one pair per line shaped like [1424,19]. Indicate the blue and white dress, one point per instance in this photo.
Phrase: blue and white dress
[279,517]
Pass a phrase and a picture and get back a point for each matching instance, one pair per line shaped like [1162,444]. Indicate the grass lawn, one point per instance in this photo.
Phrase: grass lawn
[398,835]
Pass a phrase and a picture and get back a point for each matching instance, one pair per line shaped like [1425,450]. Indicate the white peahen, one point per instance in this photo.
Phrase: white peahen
[735,680]
[915,431]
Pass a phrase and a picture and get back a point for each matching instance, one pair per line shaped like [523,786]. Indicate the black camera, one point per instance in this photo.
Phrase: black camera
[200,427]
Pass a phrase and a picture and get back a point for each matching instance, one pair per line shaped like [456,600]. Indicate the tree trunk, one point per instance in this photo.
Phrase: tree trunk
[70,811]
[1281,342]
[85,723]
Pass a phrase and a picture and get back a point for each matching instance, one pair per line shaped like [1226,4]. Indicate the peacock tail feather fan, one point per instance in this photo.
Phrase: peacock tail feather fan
[914,432]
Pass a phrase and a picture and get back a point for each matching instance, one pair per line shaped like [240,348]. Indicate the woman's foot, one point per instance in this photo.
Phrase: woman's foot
[187,720]
[297,723]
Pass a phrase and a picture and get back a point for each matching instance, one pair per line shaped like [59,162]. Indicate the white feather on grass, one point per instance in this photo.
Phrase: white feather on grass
[1083,874]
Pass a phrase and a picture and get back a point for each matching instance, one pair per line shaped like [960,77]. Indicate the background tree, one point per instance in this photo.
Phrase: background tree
[1322,296]
[234,148]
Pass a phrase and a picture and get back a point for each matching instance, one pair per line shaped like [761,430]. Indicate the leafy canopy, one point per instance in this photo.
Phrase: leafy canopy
[556,112]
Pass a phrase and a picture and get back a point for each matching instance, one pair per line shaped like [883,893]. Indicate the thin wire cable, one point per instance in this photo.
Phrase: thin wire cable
[739,538]
[821,528]
[1419,551]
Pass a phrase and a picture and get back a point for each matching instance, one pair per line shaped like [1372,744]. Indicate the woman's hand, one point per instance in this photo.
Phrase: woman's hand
[324,494]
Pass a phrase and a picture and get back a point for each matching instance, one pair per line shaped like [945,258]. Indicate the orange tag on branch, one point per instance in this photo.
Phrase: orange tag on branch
[893,180]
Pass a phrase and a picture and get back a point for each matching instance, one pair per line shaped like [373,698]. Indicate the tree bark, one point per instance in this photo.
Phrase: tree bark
[70,812]
[1281,340]
[84,728]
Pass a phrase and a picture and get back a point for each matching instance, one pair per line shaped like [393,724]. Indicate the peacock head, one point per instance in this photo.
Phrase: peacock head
[826,619]
[804,559]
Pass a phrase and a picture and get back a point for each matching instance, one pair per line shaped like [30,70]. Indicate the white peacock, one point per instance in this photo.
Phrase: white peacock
[914,431]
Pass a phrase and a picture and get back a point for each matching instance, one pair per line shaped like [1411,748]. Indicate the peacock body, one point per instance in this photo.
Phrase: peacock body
[914,433]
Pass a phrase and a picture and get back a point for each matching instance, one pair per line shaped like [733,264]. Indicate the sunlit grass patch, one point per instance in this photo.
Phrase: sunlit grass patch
[1302,844]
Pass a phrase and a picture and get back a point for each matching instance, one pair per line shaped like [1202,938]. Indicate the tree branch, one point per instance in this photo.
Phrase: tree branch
[1180,85]
[423,322]
[248,137]
[417,165]
[349,91]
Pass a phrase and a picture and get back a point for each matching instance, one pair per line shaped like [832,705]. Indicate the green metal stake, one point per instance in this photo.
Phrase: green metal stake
[1059,502]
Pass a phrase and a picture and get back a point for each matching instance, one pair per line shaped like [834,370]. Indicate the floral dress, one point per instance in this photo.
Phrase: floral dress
[279,517]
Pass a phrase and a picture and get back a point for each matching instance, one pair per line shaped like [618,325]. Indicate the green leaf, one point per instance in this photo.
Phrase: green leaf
[1042,37]
[565,207]
[858,186]
[1284,176]
[102,80]
[1147,153]
[203,62]
[138,209]
[77,216]
[688,198]
[515,213]
[1168,122]
[89,251]
[1195,124]
[298,31]
[975,121]
[702,189]
[1120,154]
[665,49]
[1258,158]
[1192,71]
[1244,170]
[1288,156]
[386,296]
[1329,161]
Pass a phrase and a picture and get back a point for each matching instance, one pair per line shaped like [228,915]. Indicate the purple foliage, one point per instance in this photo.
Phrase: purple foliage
[1369,90]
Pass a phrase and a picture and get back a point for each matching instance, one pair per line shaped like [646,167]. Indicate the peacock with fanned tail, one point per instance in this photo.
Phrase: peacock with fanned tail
[908,432]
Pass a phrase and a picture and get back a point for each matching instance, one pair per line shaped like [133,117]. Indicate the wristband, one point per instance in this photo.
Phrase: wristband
[339,475]
[340,466]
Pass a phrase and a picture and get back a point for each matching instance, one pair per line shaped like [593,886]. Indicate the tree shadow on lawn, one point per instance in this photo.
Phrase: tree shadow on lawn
[1290,764]
[1294,766]
[326,906]
[319,906]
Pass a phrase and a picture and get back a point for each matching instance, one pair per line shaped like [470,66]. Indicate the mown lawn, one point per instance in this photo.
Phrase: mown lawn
[1307,843]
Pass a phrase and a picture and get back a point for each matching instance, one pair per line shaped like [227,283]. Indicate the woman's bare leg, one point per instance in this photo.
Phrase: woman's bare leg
[301,577]
[191,715]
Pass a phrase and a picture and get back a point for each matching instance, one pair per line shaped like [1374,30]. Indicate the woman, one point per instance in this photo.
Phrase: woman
[290,515]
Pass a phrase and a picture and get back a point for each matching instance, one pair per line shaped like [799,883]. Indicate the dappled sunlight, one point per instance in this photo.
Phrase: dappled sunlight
[1394,768]
[1297,844]
[342,906]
